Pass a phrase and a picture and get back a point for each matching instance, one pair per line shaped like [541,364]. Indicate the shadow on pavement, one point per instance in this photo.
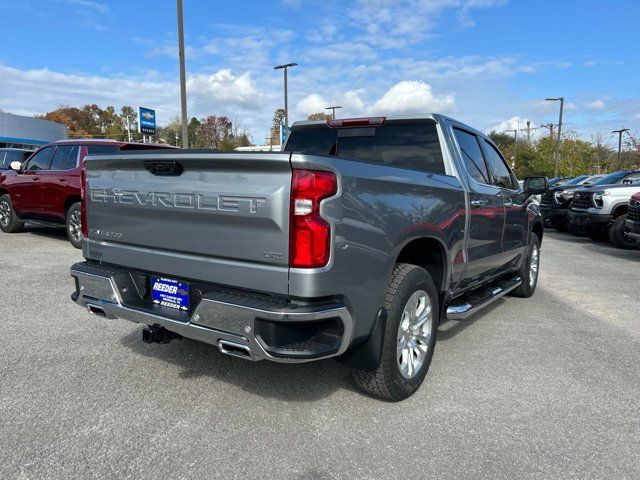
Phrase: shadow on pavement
[306,382]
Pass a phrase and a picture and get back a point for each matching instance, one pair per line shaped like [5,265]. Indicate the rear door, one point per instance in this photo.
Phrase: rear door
[487,214]
[516,225]
[211,217]
[26,192]
[55,182]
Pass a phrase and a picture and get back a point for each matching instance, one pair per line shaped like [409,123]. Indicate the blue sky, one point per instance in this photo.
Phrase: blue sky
[489,63]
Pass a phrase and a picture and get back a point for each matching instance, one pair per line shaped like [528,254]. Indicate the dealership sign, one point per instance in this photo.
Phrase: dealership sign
[147,122]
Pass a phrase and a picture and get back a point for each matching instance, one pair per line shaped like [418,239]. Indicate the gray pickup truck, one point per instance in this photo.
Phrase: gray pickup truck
[354,242]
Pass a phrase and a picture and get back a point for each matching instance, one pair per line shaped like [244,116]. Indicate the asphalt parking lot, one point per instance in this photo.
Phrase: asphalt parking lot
[542,388]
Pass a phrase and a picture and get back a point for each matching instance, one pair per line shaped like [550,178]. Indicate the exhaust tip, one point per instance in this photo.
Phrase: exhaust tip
[95,310]
[235,349]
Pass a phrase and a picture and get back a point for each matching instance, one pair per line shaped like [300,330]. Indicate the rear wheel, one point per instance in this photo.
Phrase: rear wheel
[409,338]
[74,225]
[9,222]
[617,234]
[529,269]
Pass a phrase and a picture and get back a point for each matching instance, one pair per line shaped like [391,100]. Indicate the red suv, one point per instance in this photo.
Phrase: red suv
[46,188]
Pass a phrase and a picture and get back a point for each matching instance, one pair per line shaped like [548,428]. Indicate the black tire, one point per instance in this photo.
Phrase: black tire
[529,284]
[617,234]
[388,382]
[74,225]
[9,221]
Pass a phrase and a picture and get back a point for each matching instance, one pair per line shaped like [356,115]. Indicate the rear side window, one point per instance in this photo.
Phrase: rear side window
[472,155]
[499,171]
[65,158]
[99,149]
[41,160]
[413,146]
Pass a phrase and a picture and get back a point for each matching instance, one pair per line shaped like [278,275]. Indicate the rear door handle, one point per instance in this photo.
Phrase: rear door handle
[62,180]
[477,203]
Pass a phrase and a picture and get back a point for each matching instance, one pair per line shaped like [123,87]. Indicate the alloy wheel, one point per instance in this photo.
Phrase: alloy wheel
[414,334]
[534,265]
[5,213]
[75,226]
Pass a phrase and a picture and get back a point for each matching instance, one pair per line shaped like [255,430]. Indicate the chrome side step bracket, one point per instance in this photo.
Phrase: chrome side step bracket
[464,307]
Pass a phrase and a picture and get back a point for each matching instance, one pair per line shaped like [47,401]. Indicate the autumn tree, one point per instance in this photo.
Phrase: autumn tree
[320,116]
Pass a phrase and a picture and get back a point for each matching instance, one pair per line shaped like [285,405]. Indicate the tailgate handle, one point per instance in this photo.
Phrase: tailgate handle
[164,168]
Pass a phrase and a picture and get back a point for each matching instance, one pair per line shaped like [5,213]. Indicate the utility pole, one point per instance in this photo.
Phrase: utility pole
[548,126]
[285,67]
[528,130]
[334,110]
[515,153]
[620,132]
[183,78]
[128,128]
[557,153]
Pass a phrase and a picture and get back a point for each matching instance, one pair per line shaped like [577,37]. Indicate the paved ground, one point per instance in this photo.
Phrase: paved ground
[541,388]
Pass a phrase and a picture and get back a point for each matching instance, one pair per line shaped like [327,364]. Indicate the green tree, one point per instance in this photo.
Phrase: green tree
[320,116]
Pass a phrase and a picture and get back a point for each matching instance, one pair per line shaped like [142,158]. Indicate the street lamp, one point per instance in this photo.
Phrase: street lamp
[334,110]
[557,152]
[620,132]
[183,78]
[286,99]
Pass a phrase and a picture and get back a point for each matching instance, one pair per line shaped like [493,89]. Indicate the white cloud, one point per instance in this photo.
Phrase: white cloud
[595,105]
[30,92]
[514,123]
[90,5]
[412,96]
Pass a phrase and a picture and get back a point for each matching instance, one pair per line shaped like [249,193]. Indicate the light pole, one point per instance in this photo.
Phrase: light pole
[334,110]
[557,153]
[285,67]
[183,78]
[515,153]
[620,132]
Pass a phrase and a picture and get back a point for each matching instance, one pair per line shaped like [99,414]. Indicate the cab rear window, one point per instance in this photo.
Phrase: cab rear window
[412,146]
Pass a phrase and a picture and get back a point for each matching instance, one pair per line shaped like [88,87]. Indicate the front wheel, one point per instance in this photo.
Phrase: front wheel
[409,336]
[74,225]
[618,236]
[9,221]
[529,270]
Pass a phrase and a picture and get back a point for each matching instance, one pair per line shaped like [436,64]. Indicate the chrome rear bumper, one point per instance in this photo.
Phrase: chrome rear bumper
[220,318]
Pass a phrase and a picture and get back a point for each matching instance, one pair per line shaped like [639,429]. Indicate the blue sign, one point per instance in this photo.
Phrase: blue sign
[170,293]
[284,133]
[147,121]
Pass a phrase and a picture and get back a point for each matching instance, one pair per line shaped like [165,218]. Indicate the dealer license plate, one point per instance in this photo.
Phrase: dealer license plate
[170,293]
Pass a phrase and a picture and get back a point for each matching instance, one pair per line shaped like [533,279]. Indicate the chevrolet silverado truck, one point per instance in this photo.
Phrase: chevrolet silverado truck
[354,242]
[45,189]
[633,219]
[600,210]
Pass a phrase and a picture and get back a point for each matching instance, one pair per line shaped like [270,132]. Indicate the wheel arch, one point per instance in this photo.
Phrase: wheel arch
[429,253]
[70,201]
[619,209]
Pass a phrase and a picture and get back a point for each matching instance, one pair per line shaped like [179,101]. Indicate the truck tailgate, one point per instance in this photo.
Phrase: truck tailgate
[220,218]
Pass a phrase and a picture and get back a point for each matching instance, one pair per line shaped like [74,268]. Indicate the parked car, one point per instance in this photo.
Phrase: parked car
[555,204]
[600,210]
[353,242]
[633,218]
[46,188]
[9,155]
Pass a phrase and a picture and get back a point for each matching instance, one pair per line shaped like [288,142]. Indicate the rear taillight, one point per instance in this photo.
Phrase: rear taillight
[83,197]
[356,122]
[310,234]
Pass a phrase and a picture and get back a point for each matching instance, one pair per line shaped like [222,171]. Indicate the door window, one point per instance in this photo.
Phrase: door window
[41,160]
[65,158]
[472,155]
[500,173]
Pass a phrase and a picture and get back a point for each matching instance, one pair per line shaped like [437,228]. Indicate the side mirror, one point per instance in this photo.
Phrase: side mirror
[15,166]
[535,185]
